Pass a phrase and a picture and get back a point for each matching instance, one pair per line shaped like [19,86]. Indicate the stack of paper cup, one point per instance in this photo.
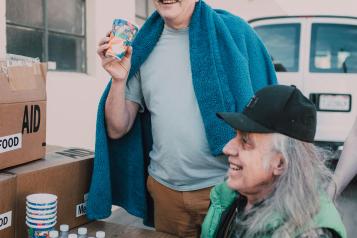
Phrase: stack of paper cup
[41,214]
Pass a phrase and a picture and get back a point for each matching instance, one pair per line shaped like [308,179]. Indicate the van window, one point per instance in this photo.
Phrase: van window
[333,48]
[283,43]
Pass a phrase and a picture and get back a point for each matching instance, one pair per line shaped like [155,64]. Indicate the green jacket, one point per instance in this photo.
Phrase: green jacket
[222,197]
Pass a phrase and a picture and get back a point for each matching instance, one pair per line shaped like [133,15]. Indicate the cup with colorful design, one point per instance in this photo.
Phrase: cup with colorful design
[39,231]
[121,37]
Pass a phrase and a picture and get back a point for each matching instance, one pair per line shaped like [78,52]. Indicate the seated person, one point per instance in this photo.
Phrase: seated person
[277,179]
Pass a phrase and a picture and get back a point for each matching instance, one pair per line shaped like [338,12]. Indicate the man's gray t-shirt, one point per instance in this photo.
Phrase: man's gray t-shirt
[180,157]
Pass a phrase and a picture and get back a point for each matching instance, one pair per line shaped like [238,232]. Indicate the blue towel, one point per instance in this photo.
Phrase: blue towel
[229,63]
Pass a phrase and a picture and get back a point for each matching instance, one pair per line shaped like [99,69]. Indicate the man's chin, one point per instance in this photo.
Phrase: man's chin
[232,184]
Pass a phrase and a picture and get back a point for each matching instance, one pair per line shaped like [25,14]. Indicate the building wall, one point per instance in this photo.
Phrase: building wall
[72,98]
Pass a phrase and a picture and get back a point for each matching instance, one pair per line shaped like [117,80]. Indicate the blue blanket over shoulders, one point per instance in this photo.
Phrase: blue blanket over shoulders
[229,63]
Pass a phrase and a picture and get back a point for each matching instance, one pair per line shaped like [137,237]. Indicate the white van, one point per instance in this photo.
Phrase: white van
[318,54]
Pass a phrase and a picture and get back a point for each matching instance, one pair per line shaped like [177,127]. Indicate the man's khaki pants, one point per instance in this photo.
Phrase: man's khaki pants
[178,213]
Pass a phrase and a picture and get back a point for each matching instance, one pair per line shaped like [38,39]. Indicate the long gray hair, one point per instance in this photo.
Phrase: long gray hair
[296,198]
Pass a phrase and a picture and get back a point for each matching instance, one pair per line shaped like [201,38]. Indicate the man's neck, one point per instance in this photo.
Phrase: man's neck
[254,198]
[177,25]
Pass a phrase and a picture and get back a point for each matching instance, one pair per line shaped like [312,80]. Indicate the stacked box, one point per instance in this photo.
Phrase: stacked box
[7,205]
[22,114]
[65,173]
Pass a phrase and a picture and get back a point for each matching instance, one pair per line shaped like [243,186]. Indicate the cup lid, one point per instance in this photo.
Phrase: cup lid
[64,227]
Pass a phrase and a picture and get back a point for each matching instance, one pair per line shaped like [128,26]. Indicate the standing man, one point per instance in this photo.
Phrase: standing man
[187,62]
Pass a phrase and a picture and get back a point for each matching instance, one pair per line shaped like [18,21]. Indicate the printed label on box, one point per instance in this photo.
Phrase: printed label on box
[81,209]
[85,196]
[5,220]
[76,153]
[11,142]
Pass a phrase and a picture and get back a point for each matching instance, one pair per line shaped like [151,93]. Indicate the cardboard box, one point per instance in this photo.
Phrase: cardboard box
[22,114]
[65,173]
[7,205]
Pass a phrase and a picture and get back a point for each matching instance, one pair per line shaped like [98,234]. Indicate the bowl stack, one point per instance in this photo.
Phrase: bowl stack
[41,214]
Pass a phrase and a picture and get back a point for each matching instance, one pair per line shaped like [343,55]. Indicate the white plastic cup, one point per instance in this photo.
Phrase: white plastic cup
[41,212]
[41,199]
[41,225]
[44,221]
[40,217]
[41,207]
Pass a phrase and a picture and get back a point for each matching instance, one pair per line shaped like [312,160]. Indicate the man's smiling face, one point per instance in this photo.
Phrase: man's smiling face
[250,157]
[173,9]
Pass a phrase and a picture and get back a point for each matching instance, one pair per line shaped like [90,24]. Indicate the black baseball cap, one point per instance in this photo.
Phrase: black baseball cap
[276,109]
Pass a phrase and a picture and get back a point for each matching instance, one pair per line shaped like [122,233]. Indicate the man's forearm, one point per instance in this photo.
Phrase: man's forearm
[347,165]
[116,113]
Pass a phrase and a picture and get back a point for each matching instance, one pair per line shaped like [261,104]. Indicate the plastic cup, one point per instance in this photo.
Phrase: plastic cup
[121,37]
[41,225]
[41,208]
[41,212]
[39,233]
[41,204]
[41,199]
[34,231]
[42,221]
[40,217]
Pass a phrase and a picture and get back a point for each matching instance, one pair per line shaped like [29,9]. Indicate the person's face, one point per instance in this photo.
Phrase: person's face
[174,9]
[252,163]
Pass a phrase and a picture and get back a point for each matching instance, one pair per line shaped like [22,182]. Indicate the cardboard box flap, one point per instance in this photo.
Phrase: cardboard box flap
[62,156]
[23,83]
